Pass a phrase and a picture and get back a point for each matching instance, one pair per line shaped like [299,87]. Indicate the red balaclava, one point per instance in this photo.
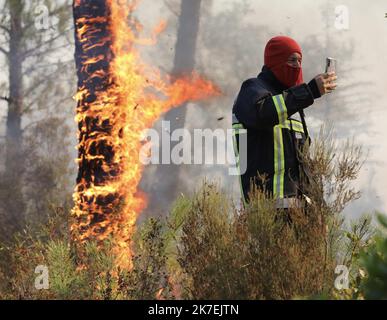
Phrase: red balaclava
[277,52]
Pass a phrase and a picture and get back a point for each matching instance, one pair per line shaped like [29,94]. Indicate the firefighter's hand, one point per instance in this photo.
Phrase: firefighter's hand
[326,82]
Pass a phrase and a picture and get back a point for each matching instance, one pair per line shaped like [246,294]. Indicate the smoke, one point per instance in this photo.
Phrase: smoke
[232,37]
[230,49]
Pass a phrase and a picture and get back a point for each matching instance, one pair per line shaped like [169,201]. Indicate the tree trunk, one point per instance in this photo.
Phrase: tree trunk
[93,54]
[14,165]
[166,181]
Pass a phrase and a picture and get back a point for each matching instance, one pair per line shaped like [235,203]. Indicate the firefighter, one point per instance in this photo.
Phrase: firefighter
[269,109]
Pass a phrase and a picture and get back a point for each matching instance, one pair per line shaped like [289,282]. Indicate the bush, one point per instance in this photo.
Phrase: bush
[86,271]
[226,253]
[149,278]
[374,261]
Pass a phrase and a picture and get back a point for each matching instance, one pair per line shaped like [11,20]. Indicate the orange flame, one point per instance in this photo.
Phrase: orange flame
[130,107]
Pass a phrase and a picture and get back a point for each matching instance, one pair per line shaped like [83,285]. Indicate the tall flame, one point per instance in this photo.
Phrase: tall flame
[115,104]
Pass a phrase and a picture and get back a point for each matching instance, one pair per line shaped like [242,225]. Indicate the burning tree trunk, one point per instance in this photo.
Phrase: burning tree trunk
[92,56]
[118,97]
[96,204]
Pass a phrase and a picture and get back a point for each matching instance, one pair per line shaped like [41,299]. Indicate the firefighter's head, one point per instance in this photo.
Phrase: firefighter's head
[283,56]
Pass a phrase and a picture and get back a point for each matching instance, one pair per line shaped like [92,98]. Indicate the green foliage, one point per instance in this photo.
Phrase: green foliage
[353,242]
[208,249]
[87,271]
[205,244]
[374,260]
[149,278]
[64,280]
[225,253]
[17,263]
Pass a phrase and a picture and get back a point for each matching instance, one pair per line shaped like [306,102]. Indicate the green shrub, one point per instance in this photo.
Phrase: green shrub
[374,261]
[226,253]
[149,277]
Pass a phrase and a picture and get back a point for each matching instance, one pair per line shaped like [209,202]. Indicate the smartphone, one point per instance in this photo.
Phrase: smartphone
[331,64]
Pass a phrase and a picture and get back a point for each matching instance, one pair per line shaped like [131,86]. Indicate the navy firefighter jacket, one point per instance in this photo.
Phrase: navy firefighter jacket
[263,111]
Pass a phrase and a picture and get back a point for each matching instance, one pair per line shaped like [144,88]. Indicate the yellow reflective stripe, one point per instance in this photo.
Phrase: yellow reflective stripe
[284,107]
[238,126]
[297,126]
[279,163]
[285,125]
[236,152]
[280,106]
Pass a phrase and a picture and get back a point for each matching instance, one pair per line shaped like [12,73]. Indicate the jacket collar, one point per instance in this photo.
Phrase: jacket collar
[267,76]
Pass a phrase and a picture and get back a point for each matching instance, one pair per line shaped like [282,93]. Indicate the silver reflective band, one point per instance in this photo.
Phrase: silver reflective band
[286,203]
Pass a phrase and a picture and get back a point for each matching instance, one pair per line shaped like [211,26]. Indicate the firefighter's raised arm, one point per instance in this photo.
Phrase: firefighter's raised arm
[256,108]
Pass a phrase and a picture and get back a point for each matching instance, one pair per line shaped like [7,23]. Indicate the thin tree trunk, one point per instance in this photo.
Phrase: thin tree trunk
[14,164]
[167,177]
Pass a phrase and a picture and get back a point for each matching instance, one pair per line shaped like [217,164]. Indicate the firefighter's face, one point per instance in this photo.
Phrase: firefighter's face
[295,60]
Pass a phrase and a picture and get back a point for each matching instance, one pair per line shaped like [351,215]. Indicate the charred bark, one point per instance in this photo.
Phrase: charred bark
[93,43]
